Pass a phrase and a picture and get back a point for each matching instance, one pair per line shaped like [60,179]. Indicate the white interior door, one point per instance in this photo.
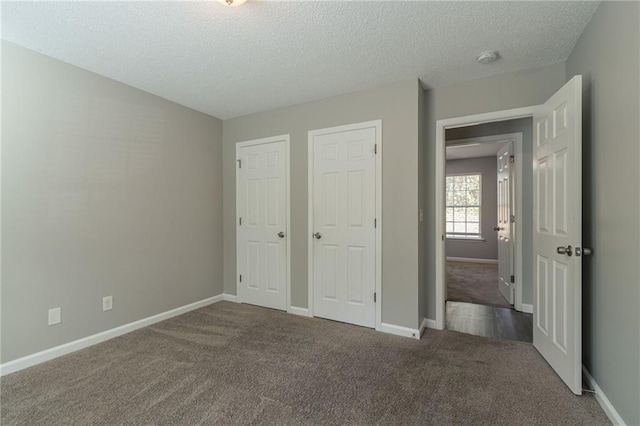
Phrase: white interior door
[344,235]
[557,168]
[261,231]
[505,225]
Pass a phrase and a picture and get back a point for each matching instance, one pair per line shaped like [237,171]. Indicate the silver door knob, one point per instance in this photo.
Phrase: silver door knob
[317,235]
[568,250]
[583,251]
[281,234]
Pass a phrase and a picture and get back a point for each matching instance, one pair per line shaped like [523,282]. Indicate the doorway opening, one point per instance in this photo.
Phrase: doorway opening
[556,200]
[486,291]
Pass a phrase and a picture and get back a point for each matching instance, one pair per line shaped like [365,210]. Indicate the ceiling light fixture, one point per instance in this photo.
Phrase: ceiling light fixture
[232,3]
[487,57]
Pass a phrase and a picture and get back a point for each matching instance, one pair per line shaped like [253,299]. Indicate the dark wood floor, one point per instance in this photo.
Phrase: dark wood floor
[489,321]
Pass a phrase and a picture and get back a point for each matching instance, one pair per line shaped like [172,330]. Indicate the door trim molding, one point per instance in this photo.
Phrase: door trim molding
[518,150]
[280,138]
[377,124]
[440,159]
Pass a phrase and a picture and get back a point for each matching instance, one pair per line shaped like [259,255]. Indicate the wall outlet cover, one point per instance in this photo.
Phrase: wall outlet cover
[55,316]
[107,303]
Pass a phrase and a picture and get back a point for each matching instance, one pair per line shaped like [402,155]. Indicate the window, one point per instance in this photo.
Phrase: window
[463,206]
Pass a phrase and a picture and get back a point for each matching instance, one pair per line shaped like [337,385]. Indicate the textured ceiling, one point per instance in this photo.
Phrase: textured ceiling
[229,62]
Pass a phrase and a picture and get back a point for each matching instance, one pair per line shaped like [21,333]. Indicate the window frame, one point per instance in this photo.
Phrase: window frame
[464,236]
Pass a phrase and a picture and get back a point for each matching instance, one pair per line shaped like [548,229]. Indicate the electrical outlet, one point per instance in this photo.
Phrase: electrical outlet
[55,316]
[107,303]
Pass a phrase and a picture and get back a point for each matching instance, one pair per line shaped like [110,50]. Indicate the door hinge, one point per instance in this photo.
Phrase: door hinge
[375,223]
[240,221]
[513,279]
[239,164]
[375,297]
[512,218]
[512,159]
[240,277]
[375,148]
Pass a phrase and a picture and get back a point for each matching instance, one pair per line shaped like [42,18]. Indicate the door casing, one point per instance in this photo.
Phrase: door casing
[440,193]
[239,146]
[377,124]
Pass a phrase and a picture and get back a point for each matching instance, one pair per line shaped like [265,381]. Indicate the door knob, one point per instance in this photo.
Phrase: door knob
[583,251]
[568,250]
[317,235]
[281,234]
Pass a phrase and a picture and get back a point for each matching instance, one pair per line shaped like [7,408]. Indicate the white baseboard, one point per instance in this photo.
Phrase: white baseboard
[399,330]
[299,311]
[471,260]
[527,308]
[423,325]
[429,323]
[58,351]
[230,298]
[602,399]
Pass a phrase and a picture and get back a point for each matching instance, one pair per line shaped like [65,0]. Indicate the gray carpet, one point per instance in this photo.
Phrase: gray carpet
[474,283]
[239,364]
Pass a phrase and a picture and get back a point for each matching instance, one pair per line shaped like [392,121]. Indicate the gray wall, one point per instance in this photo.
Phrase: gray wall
[524,126]
[397,106]
[512,90]
[488,248]
[422,224]
[607,55]
[107,190]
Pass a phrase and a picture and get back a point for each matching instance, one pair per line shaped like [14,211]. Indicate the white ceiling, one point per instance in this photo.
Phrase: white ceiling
[229,62]
[484,149]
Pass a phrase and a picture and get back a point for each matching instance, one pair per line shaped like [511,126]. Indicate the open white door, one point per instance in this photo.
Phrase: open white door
[505,224]
[557,201]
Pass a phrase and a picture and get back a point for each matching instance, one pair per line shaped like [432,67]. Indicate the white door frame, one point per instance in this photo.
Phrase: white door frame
[440,156]
[377,124]
[518,149]
[263,141]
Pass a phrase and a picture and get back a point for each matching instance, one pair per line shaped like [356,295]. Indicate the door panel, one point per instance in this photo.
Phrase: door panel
[262,253]
[343,258]
[355,277]
[542,286]
[505,226]
[557,331]
[329,281]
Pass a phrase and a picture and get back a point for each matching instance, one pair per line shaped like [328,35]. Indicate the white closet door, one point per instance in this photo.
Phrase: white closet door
[261,238]
[344,248]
